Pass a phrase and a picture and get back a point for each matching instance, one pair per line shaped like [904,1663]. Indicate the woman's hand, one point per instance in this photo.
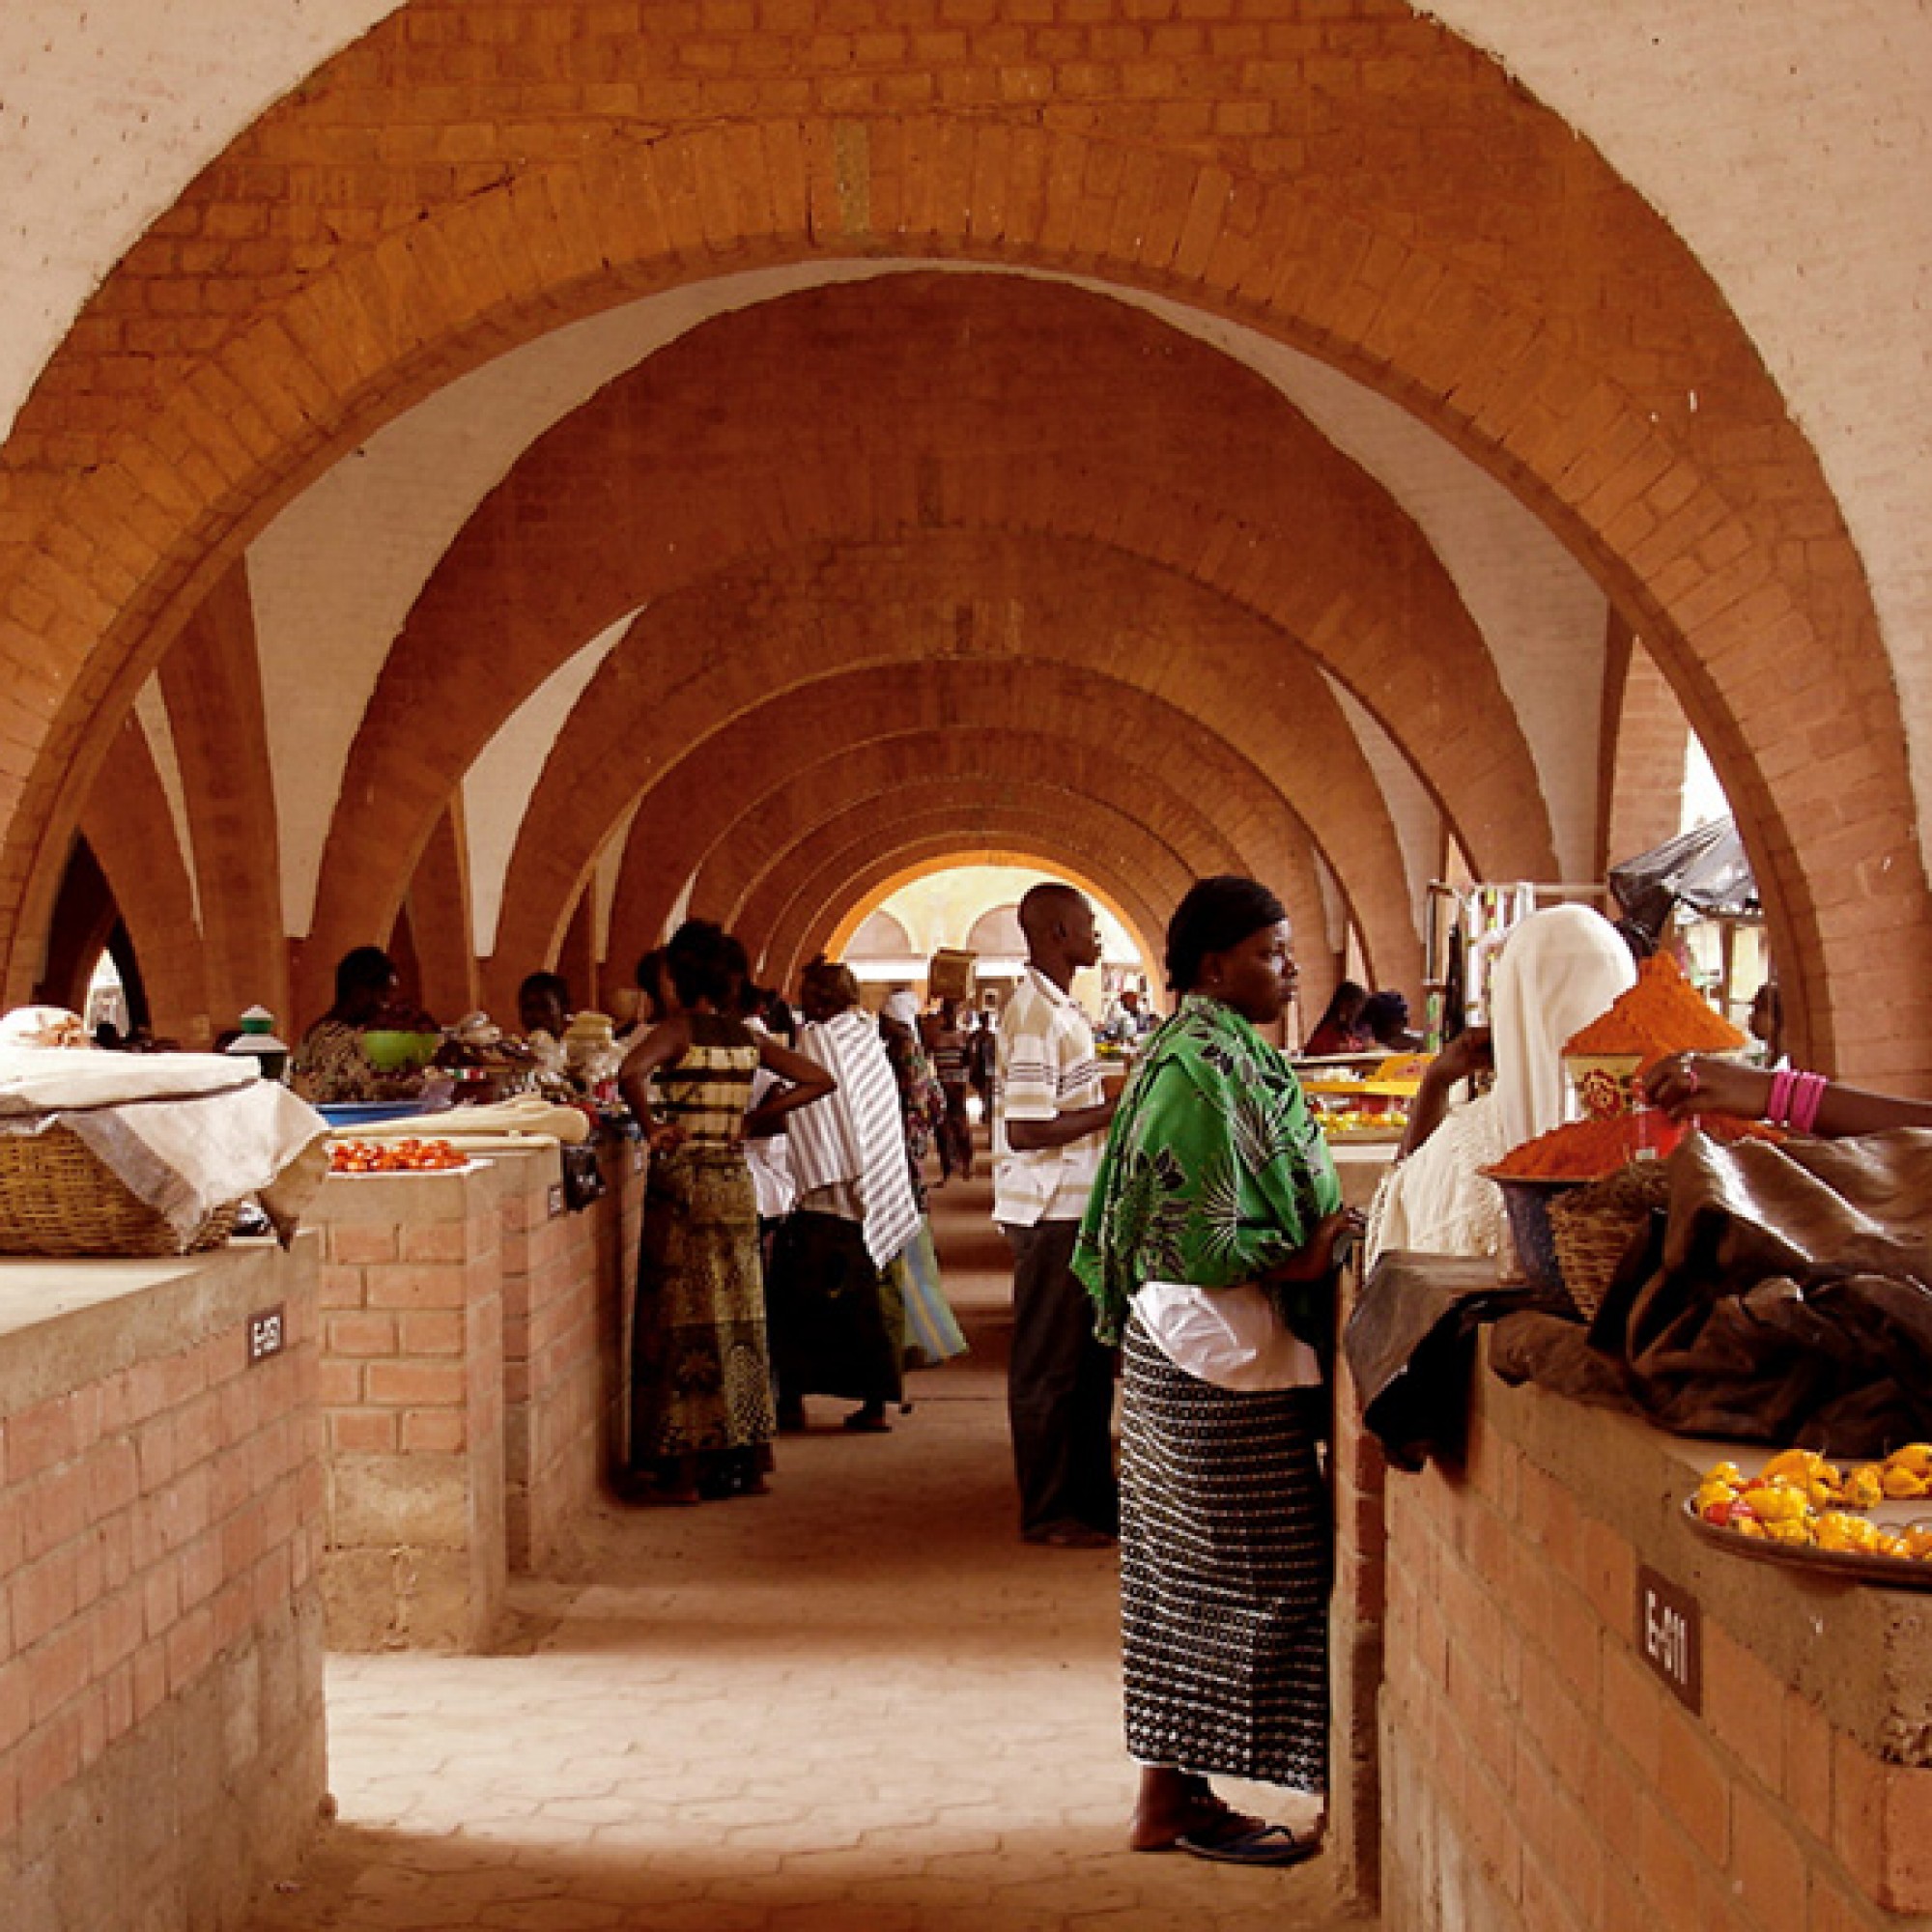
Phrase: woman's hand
[1464,1058]
[1327,1248]
[666,1137]
[1688,1084]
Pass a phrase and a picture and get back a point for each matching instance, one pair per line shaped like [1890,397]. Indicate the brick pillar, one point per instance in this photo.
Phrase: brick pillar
[161,1734]
[1356,1646]
[412,1401]
[565,1284]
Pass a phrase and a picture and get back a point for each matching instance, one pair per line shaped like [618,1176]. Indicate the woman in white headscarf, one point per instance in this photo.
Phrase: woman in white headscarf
[1556,973]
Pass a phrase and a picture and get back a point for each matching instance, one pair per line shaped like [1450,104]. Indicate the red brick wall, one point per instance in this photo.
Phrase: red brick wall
[1537,1775]
[471,1386]
[160,1652]
[413,1407]
[567,1282]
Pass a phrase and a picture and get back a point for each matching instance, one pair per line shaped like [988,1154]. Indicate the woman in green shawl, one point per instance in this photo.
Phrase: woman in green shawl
[1209,1247]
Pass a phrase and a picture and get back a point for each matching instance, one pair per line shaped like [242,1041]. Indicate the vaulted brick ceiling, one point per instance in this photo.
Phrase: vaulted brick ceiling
[982,454]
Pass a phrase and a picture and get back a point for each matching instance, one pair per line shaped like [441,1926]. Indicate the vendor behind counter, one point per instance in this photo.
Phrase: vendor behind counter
[330,1065]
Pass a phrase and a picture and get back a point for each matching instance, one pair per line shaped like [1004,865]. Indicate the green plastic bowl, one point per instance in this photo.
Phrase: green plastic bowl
[399,1052]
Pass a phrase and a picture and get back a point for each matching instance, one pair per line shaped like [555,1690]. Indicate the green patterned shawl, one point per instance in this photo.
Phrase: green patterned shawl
[1214,1171]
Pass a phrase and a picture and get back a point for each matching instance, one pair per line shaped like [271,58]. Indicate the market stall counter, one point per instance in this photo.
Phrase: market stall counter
[162,1735]
[1594,1716]
[470,1375]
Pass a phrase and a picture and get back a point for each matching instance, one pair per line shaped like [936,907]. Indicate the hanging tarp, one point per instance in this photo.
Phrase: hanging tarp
[1703,871]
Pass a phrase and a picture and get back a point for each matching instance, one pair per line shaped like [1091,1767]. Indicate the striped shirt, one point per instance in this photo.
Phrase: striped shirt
[1047,1068]
[854,1139]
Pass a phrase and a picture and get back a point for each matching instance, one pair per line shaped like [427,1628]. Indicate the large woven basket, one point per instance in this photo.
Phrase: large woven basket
[58,1198]
[1594,1228]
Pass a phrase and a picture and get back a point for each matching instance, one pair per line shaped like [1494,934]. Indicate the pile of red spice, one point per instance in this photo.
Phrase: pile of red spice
[1662,1014]
[1590,1150]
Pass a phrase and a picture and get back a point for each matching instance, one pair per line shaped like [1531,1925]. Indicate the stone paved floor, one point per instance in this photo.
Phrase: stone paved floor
[857,1705]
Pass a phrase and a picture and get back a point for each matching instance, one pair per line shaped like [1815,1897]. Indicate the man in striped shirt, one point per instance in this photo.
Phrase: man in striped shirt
[1050,1117]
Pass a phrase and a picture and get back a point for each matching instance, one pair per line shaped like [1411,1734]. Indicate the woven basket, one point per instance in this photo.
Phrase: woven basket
[1593,1228]
[57,1198]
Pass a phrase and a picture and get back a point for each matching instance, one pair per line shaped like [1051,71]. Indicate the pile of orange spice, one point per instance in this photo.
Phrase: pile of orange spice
[1590,1150]
[1662,1014]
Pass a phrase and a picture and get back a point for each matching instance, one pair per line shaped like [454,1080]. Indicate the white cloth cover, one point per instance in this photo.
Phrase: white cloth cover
[1231,1337]
[188,1155]
[856,1134]
[1556,973]
[43,1080]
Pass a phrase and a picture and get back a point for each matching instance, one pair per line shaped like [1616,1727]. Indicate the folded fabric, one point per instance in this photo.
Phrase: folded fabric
[1790,1299]
[187,1156]
[42,1080]
[1410,1344]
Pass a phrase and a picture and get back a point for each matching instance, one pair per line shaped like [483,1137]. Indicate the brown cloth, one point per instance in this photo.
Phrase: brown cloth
[1410,1346]
[1788,1299]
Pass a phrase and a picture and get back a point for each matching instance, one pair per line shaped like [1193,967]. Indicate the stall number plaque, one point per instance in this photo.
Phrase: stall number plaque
[1670,1635]
[268,1334]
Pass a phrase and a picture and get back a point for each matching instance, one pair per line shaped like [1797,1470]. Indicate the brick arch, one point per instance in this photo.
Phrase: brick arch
[1070,605]
[1101,838]
[764,865]
[844,751]
[211,682]
[804,903]
[1334,210]
[868,872]
[752,457]
[958,803]
[953,858]
[1167,751]
[132,830]
[839,871]
[760,846]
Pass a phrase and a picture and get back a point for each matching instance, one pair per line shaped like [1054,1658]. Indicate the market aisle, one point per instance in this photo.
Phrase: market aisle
[859,1704]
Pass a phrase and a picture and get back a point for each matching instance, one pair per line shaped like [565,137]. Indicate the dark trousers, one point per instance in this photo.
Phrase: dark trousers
[1060,1389]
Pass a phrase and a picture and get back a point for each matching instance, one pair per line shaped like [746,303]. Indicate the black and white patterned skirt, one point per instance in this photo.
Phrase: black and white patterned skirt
[1226,1559]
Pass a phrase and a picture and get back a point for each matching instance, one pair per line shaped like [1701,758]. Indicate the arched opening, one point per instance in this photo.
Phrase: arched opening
[88,925]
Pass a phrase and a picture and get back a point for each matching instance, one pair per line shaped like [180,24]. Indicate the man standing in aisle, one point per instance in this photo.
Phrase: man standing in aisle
[1050,1115]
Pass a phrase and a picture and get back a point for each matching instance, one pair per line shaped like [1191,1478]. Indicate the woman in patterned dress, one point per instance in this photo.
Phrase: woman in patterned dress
[701,1418]
[1213,1228]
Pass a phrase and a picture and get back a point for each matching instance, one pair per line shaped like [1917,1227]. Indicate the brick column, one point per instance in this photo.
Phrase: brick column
[413,1403]
[162,1737]
[1358,1476]
[565,1284]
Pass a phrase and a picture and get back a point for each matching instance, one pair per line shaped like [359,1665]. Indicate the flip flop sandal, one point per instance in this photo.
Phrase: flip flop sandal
[1210,1815]
[1268,1845]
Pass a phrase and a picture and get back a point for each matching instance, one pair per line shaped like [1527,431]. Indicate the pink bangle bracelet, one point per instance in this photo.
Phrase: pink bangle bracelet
[1809,1094]
[1776,1109]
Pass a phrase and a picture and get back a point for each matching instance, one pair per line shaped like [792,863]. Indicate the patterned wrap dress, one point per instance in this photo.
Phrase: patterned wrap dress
[700,1368]
[1214,1172]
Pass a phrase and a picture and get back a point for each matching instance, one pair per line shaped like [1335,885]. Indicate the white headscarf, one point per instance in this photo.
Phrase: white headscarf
[903,1008]
[1557,971]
